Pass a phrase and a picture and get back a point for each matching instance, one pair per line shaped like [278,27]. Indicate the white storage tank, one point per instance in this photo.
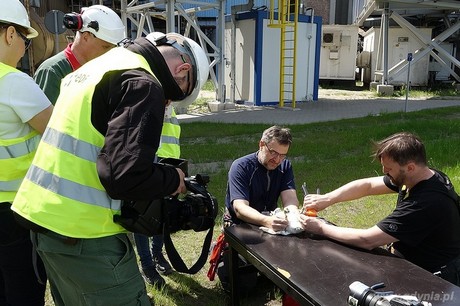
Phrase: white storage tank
[339,48]
[400,42]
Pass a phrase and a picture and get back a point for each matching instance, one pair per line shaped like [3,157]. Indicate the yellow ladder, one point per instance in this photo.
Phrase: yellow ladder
[287,20]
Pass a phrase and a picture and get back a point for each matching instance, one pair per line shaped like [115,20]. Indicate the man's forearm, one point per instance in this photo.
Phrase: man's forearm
[250,215]
[358,189]
[363,238]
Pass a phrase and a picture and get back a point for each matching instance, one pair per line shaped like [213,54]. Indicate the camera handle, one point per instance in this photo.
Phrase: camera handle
[175,258]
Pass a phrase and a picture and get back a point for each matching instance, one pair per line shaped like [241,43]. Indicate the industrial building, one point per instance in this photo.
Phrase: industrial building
[275,52]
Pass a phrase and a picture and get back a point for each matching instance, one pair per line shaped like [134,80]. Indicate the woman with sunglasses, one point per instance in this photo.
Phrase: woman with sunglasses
[24,114]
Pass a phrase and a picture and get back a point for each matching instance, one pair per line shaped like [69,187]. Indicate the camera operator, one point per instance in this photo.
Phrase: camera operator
[425,225]
[98,151]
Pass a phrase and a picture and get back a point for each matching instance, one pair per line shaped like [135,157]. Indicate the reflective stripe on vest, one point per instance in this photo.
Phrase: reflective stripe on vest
[16,155]
[169,140]
[18,149]
[70,144]
[15,159]
[71,190]
[62,190]
[68,188]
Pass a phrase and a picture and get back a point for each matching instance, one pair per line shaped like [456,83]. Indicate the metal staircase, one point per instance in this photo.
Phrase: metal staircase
[286,20]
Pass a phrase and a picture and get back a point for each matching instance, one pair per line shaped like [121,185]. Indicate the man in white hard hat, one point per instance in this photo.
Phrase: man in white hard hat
[24,113]
[98,29]
[97,151]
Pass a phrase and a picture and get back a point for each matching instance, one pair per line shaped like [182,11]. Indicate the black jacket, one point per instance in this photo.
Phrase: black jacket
[128,108]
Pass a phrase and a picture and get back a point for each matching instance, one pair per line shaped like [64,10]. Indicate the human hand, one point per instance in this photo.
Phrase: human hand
[312,224]
[316,202]
[182,188]
[277,222]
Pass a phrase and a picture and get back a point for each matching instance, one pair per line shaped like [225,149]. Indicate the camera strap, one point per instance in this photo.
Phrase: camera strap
[176,260]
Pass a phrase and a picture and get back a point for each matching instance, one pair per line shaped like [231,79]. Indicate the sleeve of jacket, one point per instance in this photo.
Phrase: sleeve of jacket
[49,82]
[133,108]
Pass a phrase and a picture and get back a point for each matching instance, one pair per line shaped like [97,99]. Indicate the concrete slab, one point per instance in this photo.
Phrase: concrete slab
[385,90]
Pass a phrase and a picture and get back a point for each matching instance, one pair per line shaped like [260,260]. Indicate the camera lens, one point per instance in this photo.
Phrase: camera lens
[362,295]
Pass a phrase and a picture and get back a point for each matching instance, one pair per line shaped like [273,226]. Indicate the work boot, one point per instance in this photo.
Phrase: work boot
[152,277]
[162,265]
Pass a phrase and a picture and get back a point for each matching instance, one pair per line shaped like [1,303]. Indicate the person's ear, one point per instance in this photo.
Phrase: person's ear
[411,167]
[261,144]
[86,36]
[9,35]
[183,67]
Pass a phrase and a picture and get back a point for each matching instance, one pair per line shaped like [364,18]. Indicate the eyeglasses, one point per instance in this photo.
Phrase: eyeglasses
[275,154]
[26,40]
[189,86]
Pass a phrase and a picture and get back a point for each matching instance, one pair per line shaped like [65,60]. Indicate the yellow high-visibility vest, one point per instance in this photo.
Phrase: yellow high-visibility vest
[170,134]
[16,155]
[62,191]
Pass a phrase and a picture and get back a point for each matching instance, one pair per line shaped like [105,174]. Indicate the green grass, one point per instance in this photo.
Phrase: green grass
[324,155]
[441,92]
[437,91]
[209,86]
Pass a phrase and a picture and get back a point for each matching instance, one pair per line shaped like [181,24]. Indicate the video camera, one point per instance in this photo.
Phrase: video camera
[196,210]
[362,295]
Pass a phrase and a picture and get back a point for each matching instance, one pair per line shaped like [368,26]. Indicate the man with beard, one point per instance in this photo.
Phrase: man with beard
[425,224]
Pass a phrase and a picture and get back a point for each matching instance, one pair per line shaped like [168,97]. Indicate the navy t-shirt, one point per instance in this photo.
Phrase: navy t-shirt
[249,180]
[426,223]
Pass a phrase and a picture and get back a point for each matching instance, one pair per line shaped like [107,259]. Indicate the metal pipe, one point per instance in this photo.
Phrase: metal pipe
[309,97]
[386,23]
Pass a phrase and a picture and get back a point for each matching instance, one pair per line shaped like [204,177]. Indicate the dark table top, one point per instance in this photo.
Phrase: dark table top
[321,270]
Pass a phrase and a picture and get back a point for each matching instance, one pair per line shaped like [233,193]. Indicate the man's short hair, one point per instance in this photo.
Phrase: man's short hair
[403,148]
[277,133]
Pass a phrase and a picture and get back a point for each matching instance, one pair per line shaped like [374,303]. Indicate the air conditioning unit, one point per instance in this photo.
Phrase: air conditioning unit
[331,39]
[339,44]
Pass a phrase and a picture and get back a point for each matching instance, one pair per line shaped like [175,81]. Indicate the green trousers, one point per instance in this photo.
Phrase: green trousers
[99,271]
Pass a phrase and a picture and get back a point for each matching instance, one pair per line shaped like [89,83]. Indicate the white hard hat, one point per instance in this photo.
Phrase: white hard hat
[12,11]
[104,23]
[199,59]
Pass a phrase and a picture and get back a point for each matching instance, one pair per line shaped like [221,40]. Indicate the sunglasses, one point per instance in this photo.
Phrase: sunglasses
[27,41]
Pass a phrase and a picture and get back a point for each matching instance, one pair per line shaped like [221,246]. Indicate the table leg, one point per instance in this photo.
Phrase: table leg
[234,276]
